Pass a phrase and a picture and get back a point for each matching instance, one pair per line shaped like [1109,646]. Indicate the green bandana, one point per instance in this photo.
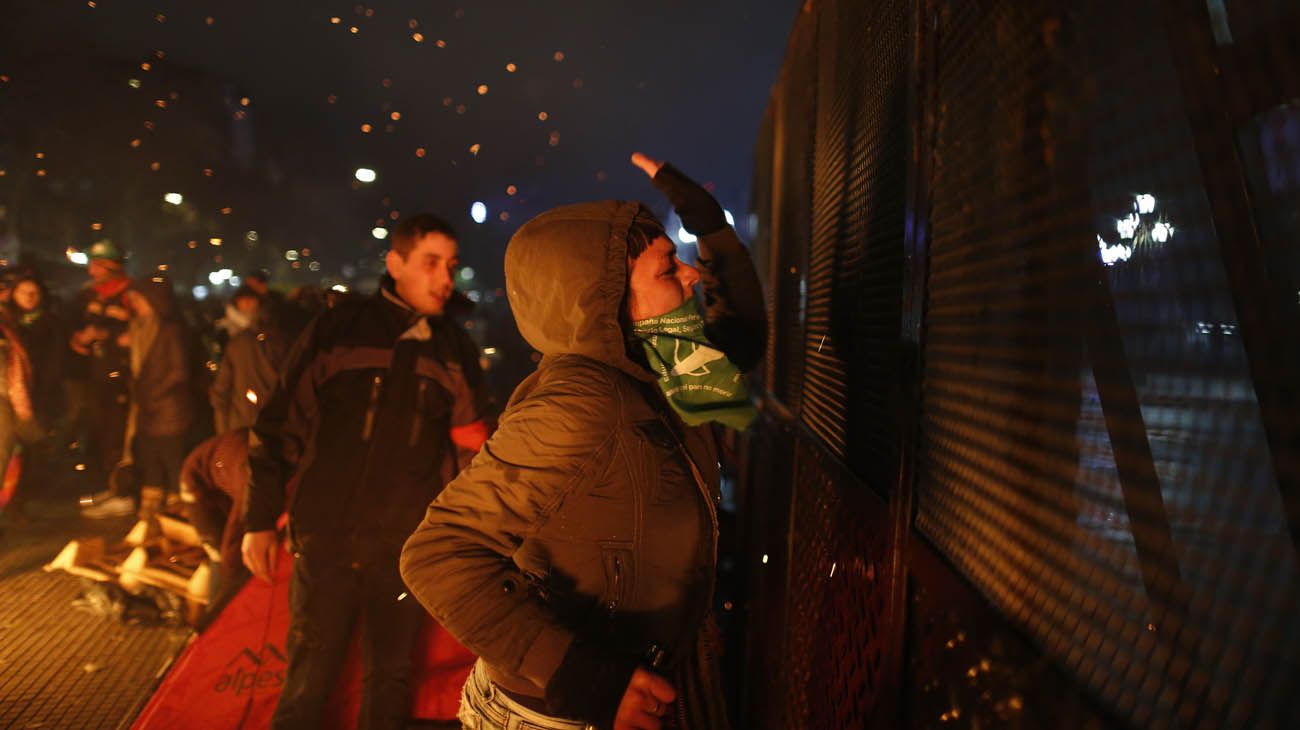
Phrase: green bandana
[699,381]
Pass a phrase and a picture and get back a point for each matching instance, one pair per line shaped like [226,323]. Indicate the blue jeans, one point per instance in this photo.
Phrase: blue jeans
[484,707]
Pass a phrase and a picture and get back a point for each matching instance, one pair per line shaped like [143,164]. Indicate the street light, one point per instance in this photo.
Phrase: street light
[365,175]
[478,212]
[379,232]
[174,198]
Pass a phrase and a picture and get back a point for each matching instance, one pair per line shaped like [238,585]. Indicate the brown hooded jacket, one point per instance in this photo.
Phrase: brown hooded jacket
[583,522]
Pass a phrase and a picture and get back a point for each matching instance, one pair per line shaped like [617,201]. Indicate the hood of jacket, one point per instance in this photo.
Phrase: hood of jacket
[566,278]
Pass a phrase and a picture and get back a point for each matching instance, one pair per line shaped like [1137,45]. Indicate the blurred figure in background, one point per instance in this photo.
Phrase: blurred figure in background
[213,480]
[42,334]
[309,299]
[16,421]
[44,341]
[250,365]
[162,406]
[99,367]
[239,313]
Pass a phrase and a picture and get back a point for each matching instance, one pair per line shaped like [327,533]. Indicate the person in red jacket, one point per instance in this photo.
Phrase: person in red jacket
[16,414]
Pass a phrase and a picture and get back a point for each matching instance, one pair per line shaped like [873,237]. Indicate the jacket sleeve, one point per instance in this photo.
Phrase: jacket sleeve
[735,313]
[219,392]
[470,412]
[458,563]
[279,438]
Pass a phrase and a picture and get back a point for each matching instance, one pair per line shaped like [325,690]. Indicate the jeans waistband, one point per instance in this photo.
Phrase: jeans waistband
[484,706]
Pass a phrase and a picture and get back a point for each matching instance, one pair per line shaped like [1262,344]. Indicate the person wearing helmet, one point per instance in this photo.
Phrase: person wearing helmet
[98,372]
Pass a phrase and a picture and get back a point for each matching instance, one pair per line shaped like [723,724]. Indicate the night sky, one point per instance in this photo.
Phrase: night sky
[450,122]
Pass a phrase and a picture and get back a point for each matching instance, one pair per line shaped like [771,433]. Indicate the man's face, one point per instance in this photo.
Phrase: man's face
[99,271]
[247,305]
[426,278]
[657,282]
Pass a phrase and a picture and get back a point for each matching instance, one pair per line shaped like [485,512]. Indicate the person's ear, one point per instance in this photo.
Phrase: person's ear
[394,262]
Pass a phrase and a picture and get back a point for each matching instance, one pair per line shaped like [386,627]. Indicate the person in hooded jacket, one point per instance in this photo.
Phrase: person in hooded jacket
[250,365]
[576,553]
[162,403]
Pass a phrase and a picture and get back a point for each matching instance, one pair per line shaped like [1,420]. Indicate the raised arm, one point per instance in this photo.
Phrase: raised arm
[735,313]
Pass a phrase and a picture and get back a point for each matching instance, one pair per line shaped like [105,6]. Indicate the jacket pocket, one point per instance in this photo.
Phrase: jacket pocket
[368,425]
[618,563]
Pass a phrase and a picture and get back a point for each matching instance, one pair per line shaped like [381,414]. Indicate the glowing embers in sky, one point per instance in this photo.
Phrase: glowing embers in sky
[1141,227]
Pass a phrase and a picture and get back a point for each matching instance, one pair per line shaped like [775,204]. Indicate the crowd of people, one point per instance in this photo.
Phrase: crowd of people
[574,552]
[112,389]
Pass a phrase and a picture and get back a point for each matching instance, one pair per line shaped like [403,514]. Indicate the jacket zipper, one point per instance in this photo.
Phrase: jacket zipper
[419,412]
[618,585]
[368,429]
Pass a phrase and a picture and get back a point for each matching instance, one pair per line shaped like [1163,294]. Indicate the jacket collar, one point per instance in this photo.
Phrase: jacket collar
[417,326]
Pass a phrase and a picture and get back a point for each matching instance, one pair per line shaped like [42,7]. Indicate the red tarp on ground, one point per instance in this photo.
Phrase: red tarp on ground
[10,481]
[230,675]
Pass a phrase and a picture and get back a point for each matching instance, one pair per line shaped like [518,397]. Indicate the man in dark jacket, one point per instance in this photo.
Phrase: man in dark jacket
[379,403]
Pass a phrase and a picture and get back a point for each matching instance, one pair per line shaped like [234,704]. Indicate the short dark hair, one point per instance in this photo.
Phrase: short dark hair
[415,227]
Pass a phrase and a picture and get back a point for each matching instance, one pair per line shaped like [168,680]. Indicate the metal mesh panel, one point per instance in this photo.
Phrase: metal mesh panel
[761,245]
[1094,457]
[66,669]
[855,257]
[1107,456]
[838,588]
[795,101]
[766,509]
[967,668]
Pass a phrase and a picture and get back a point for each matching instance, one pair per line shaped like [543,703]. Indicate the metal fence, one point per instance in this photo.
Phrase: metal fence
[1031,455]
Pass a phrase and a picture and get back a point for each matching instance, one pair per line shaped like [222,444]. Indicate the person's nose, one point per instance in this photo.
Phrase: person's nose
[688,275]
[446,276]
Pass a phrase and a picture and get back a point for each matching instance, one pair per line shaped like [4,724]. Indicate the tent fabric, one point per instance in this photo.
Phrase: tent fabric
[229,677]
[9,484]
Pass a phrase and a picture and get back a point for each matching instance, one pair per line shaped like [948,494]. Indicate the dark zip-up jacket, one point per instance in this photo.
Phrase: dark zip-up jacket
[581,535]
[365,410]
